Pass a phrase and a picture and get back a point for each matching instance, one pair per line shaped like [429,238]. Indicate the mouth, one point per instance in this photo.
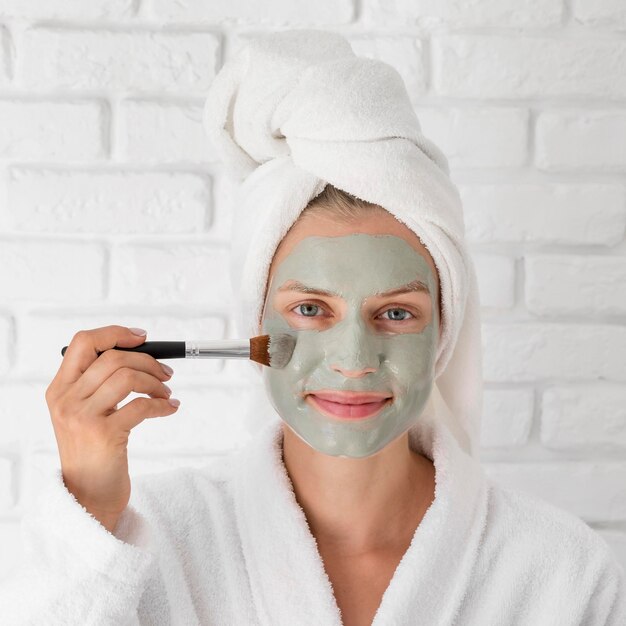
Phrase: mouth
[348,405]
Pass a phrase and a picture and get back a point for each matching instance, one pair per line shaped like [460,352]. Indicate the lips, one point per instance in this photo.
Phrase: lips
[348,404]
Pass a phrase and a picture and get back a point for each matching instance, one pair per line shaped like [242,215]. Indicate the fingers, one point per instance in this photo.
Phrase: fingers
[108,363]
[83,349]
[117,387]
[137,410]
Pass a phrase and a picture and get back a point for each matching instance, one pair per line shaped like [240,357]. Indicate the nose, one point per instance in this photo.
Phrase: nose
[358,373]
[354,352]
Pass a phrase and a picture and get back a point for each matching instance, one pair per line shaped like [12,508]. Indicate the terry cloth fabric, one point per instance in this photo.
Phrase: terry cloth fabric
[295,110]
[228,545]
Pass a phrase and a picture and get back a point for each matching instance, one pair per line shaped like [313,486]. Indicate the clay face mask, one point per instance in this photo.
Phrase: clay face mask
[357,341]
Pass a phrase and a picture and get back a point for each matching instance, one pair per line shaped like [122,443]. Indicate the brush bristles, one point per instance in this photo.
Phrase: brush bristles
[259,349]
[272,350]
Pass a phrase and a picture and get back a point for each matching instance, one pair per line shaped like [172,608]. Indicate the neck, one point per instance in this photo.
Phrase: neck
[360,505]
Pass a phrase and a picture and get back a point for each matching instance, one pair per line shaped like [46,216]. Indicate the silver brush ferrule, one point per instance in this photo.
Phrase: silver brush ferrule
[218,349]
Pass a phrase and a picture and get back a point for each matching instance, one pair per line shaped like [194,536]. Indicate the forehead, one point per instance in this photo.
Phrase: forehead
[353,263]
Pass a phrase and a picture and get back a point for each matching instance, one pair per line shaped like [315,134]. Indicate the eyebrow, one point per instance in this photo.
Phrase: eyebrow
[413,286]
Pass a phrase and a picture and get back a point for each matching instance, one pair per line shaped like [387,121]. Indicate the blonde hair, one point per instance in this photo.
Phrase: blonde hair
[339,204]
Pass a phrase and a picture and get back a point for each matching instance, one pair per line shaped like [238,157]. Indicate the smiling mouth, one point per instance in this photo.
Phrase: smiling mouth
[344,410]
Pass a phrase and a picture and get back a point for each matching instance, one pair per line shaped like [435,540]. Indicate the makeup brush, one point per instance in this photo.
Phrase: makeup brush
[270,350]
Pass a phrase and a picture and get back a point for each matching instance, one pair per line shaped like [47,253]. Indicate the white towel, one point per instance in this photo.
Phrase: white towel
[295,110]
[228,545]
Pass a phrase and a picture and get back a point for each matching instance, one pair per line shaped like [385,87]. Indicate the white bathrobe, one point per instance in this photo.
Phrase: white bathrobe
[229,545]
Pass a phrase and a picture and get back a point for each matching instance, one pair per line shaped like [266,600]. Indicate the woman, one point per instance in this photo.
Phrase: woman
[360,500]
[363,513]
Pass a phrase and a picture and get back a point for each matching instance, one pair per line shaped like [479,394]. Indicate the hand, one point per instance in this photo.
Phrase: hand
[91,432]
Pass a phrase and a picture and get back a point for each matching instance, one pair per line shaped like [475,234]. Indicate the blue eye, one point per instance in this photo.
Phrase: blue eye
[309,309]
[308,306]
[396,319]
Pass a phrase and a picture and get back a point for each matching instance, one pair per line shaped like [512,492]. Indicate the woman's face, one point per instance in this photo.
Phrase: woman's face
[362,299]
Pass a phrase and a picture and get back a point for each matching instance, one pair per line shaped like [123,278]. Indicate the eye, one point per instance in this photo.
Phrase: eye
[403,314]
[309,307]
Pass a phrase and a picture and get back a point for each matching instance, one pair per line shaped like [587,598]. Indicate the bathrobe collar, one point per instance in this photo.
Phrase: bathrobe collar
[287,576]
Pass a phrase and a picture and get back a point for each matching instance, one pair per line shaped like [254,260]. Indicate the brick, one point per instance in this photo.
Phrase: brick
[108,201]
[7,485]
[459,14]
[507,417]
[496,280]
[588,214]
[593,491]
[6,343]
[278,12]
[68,9]
[209,419]
[581,140]
[405,54]
[51,271]
[583,416]
[533,351]
[225,190]
[605,13]
[568,284]
[501,66]
[188,273]
[478,137]
[24,415]
[133,61]
[47,334]
[5,56]
[36,130]
[10,548]
[162,132]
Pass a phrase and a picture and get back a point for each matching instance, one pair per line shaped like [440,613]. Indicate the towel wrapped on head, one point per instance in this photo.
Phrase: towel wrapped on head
[296,110]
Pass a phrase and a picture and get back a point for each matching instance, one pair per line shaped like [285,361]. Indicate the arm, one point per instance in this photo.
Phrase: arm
[75,571]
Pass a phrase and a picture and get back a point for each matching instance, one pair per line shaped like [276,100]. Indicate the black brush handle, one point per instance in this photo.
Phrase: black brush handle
[157,349]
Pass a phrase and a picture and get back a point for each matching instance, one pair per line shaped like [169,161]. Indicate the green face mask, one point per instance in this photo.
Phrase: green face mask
[360,342]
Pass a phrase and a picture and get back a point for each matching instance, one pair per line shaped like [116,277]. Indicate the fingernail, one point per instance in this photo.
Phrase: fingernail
[169,391]
[174,401]
[138,331]
[167,369]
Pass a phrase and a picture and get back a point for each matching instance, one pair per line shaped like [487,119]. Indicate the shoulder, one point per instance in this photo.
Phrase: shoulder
[517,513]
[549,539]
[547,565]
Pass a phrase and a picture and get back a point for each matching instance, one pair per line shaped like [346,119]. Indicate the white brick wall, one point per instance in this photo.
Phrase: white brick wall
[582,140]
[575,284]
[478,137]
[605,13]
[529,66]
[49,130]
[545,213]
[106,201]
[151,131]
[113,209]
[136,61]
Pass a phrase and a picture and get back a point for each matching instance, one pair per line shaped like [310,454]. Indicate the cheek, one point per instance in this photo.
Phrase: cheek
[410,358]
[308,355]
[307,360]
